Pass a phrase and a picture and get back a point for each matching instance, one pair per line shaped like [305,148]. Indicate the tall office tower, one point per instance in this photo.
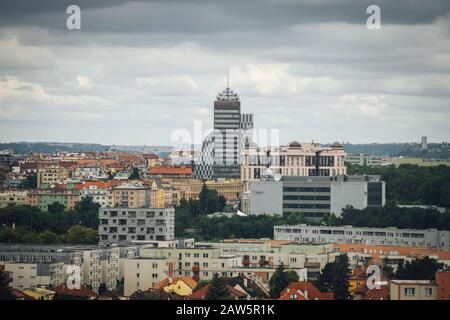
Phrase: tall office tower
[221,150]
[227,125]
[424,143]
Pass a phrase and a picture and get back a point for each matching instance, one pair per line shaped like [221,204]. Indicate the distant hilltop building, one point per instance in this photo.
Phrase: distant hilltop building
[222,149]
[424,143]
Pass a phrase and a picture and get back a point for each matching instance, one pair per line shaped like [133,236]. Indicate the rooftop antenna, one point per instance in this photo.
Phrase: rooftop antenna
[228,78]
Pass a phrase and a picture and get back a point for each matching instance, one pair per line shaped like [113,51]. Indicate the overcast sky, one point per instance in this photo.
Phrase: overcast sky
[138,70]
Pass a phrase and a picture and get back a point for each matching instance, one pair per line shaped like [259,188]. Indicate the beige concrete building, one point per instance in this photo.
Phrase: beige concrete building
[34,275]
[131,195]
[256,259]
[11,197]
[229,189]
[295,159]
[413,290]
[144,273]
[50,175]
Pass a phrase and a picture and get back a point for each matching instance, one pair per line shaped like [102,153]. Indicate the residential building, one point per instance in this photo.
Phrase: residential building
[231,190]
[66,194]
[443,285]
[90,172]
[360,235]
[127,225]
[131,195]
[34,275]
[412,290]
[144,273]
[51,175]
[295,159]
[315,197]
[181,172]
[361,254]
[13,197]
[36,265]
[182,285]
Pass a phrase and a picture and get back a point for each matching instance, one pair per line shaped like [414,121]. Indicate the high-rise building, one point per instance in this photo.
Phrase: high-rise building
[221,150]
[424,143]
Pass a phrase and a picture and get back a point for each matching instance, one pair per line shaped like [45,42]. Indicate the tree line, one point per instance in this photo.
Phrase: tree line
[28,224]
[392,216]
[412,184]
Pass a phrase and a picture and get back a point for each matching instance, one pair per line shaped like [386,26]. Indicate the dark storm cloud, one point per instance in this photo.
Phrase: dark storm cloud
[140,62]
[203,16]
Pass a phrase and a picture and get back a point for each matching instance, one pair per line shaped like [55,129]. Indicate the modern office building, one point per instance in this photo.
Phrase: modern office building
[315,197]
[370,236]
[294,159]
[126,225]
[221,154]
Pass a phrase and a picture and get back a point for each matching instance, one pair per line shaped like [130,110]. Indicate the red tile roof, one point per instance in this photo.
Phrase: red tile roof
[82,292]
[378,294]
[304,291]
[171,170]
[200,294]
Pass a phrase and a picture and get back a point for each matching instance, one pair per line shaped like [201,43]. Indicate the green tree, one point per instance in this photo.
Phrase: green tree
[134,174]
[419,269]
[280,280]
[218,289]
[86,212]
[82,235]
[102,288]
[5,289]
[334,277]
[56,208]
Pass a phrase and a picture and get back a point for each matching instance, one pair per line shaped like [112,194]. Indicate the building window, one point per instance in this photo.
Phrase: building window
[428,291]
[410,291]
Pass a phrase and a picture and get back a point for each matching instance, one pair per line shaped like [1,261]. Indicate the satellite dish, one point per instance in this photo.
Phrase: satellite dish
[269,172]
[277,176]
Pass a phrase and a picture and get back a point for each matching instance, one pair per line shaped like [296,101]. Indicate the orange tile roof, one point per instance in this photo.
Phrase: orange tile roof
[201,293]
[190,282]
[378,294]
[101,184]
[171,170]
[82,292]
[307,289]
[374,250]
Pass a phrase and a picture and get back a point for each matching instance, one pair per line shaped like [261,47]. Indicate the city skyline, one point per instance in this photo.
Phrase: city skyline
[312,70]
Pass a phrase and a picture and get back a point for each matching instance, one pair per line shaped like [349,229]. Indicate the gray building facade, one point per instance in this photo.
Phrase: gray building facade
[315,197]
[126,225]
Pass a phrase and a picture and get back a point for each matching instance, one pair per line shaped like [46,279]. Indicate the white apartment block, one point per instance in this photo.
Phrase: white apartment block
[38,265]
[99,196]
[371,236]
[127,225]
[89,172]
[34,275]
[258,261]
